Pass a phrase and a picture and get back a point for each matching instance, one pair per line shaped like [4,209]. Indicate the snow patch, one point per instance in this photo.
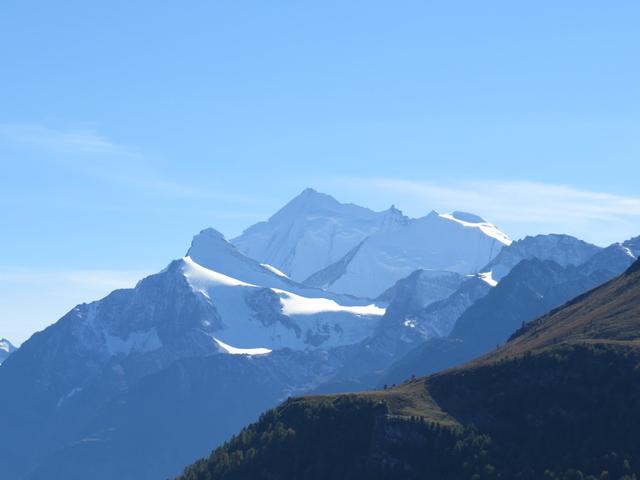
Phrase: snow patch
[487,277]
[136,342]
[628,251]
[487,228]
[293,304]
[241,351]
[197,274]
[274,270]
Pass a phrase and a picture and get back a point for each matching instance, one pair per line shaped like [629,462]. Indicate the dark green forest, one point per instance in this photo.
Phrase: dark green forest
[568,413]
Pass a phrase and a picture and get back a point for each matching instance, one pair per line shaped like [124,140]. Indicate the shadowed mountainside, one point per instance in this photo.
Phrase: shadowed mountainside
[558,401]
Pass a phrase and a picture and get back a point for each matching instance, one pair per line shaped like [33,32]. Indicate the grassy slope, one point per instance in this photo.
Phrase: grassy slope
[410,399]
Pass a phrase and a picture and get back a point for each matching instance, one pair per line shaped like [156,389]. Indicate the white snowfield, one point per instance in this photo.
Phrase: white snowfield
[293,304]
[458,242]
[487,277]
[311,232]
[473,221]
[241,351]
[258,319]
[352,250]
[200,277]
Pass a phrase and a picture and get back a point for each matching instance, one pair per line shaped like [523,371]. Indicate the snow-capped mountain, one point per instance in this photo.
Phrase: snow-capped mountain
[215,300]
[259,308]
[458,242]
[406,325]
[148,379]
[561,249]
[530,289]
[311,232]
[439,318]
[68,384]
[6,349]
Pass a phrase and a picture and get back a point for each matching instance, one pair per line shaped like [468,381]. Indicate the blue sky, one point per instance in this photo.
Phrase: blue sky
[126,127]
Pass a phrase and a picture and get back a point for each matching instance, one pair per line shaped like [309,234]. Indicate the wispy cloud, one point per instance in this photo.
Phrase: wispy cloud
[61,140]
[98,156]
[529,207]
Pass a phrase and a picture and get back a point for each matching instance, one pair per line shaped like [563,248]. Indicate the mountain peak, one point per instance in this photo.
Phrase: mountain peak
[394,209]
[310,200]
[212,233]
[310,192]
[562,249]
[210,249]
[208,239]
[311,232]
[310,197]
[392,217]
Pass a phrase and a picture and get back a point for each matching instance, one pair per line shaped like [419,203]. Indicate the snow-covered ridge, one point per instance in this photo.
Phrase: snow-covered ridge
[310,232]
[190,309]
[293,304]
[473,221]
[313,234]
[241,351]
[256,317]
[199,275]
[461,242]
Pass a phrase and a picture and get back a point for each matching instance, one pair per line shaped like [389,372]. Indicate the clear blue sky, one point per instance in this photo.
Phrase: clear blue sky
[126,127]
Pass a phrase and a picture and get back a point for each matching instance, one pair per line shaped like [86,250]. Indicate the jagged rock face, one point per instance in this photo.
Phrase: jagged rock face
[420,289]
[561,249]
[404,321]
[439,318]
[532,288]
[434,242]
[398,331]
